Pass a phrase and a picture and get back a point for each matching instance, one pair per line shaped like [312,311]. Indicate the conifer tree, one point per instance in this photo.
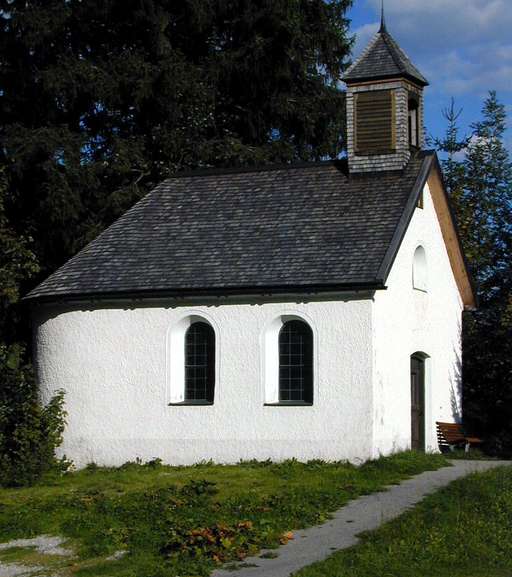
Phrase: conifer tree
[479,177]
[101,100]
[452,146]
[488,201]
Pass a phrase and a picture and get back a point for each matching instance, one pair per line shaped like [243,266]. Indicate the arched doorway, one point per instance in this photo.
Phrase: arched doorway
[418,402]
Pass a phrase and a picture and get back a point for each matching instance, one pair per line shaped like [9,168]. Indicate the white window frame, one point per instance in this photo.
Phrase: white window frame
[175,365]
[270,357]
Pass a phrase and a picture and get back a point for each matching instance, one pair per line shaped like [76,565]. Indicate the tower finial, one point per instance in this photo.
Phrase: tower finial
[382,18]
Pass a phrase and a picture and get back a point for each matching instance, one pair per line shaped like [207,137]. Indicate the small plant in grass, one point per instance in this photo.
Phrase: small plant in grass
[220,542]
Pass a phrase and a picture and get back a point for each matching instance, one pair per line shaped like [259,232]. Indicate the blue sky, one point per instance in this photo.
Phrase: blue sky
[463,47]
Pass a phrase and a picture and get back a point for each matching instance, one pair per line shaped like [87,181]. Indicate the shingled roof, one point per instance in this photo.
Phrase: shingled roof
[383,58]
[288,228]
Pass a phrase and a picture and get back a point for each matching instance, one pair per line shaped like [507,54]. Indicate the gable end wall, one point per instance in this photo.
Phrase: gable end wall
[406,321]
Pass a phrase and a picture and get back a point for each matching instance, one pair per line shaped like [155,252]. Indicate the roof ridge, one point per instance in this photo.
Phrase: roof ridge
[216,171]
[402,53]
[388,40]
[363,54]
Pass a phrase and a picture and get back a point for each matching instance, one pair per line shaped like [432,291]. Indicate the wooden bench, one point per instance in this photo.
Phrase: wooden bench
[451,435]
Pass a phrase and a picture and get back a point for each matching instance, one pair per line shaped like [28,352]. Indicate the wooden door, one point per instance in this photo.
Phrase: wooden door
[417,403]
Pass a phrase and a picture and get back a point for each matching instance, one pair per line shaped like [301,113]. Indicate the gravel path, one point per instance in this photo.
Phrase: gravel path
[15,570]
[363,514]
[44,544]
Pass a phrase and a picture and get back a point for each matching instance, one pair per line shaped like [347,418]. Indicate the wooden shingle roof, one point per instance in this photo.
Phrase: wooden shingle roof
[382,59]
[286,228]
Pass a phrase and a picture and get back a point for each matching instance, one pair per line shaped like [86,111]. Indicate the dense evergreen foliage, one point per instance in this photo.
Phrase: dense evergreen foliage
[100,100]
[478,173]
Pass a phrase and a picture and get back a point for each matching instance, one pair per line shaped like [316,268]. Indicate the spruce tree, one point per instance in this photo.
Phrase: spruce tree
[101,100]
[487,200]
[479,177]
[452,145]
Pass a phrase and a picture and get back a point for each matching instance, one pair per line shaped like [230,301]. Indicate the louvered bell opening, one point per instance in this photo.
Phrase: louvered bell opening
[374,122]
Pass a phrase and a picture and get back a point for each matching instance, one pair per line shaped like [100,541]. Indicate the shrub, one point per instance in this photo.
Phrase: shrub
[220,542]
[29,432]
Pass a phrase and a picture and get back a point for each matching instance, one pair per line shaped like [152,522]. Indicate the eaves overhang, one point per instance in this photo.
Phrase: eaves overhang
[197,293]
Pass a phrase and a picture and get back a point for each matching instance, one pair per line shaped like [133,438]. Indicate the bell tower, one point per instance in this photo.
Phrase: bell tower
[384,106]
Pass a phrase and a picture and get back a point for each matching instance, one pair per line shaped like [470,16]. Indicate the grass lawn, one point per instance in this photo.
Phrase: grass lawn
[184,521]
[464,530]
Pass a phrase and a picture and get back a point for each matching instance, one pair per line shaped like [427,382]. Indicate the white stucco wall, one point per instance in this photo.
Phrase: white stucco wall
[407,321]
[115,365]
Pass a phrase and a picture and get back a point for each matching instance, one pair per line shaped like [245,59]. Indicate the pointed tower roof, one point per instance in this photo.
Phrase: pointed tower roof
[382,18]
[383,58]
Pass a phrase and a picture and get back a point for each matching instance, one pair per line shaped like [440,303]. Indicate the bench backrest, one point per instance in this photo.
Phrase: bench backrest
[449,433]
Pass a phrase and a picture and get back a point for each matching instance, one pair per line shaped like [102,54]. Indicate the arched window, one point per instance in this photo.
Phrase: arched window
[295,362]
[200,362]
[419,270]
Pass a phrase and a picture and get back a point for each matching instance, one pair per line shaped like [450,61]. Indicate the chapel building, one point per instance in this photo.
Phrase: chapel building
[308,311]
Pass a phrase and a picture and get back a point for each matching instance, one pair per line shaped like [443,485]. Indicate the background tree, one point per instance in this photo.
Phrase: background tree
[17,263]
[452,146]
[479,178]
[101,100]
[488,198]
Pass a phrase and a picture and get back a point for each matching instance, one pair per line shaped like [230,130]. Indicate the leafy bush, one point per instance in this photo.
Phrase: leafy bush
[220,542]
[29,432]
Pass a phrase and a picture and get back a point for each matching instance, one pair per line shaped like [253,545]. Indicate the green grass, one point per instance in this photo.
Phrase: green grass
[464,530]
[184,521]
[473,455]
